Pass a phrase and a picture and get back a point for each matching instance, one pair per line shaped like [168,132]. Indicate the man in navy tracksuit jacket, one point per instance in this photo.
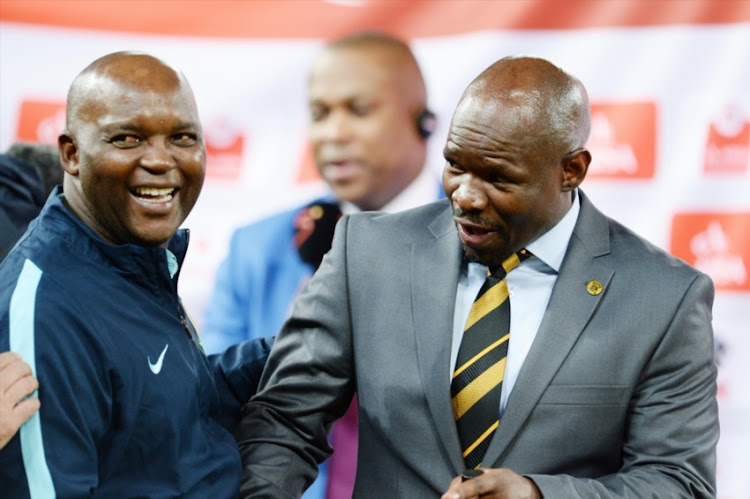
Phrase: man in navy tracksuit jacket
[130,404]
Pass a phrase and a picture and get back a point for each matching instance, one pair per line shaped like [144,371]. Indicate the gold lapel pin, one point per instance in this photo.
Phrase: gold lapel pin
[316,212]
[594,288]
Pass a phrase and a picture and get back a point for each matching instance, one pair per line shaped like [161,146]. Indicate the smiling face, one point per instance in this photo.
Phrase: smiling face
[133,150]
[364,101]
[510,168]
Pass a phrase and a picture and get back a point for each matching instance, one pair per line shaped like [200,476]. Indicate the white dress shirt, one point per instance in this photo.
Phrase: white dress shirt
[529,289]
[424,189]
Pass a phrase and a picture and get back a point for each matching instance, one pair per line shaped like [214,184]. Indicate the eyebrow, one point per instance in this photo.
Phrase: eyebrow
[129,126]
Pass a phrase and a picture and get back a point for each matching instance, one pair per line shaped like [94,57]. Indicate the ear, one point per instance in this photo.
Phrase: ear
[575,165]
[66,144]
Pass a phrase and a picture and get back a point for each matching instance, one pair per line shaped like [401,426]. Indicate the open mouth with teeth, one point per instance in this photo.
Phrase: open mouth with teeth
[155,194]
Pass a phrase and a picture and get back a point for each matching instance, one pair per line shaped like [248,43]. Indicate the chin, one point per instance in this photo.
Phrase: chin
[156,238]
[153,243]
[472,256]
[349,196]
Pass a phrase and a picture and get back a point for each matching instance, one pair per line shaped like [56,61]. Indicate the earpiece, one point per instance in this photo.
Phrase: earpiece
[426,122]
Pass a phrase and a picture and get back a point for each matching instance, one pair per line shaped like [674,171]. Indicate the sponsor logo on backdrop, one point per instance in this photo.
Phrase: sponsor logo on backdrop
[623,140]
[225,145]
[728,143]
[40,121]
[717,244]
[307,171]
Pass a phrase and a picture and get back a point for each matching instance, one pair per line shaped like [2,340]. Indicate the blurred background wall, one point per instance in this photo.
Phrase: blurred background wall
[669,82]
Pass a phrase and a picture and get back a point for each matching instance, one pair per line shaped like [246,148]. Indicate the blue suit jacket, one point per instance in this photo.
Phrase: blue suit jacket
[256,283]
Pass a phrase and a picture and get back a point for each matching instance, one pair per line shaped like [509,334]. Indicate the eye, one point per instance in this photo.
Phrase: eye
[125,140]
[452,166]
[360,108]
[185,139]
[318,113]
[496,178]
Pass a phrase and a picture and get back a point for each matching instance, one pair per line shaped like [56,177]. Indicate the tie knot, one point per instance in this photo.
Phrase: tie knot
[510,263]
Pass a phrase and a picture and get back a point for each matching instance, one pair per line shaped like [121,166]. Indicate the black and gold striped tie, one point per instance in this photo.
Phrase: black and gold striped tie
[478,378]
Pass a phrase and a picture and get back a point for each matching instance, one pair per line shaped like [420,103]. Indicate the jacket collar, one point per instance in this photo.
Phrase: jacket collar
[128,259]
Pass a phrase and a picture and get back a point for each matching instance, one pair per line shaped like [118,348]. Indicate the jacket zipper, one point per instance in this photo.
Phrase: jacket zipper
[186,326]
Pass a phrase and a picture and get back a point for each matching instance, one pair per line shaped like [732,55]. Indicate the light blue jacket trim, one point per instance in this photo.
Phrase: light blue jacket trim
[172,263]
[22,304]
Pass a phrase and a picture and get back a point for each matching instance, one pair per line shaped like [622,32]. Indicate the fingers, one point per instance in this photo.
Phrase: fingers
[24,411]
[459,489]
[21,388]
[455,482]
[8,358]
[16,384]
[11,418]
[468,474]
[469,489]
[12,369]
[493,483]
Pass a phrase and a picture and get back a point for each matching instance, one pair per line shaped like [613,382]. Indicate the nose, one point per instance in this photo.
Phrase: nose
[468,195]
[157,157]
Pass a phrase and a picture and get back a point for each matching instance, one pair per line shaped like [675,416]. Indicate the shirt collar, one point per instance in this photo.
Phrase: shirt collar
[421,191]
[551,246]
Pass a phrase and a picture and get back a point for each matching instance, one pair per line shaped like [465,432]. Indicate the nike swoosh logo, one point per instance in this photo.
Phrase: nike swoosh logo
[156,368]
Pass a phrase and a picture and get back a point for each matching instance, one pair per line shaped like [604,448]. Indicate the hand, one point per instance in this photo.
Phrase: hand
[500,483]
[16,383]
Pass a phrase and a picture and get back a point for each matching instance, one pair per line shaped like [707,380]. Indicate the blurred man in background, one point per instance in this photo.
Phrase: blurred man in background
[368,133]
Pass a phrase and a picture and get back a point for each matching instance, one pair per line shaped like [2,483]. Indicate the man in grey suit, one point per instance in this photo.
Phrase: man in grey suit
[607,387]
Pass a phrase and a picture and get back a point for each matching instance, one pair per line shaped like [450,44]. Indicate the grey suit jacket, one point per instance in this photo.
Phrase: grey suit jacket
[616,397]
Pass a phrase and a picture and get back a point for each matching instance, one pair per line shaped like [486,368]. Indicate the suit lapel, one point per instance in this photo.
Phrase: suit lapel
[435,265]
[568,311]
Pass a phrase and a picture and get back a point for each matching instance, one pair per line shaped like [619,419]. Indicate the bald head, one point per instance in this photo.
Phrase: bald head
[116,72]
[553,104]
[389,54]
